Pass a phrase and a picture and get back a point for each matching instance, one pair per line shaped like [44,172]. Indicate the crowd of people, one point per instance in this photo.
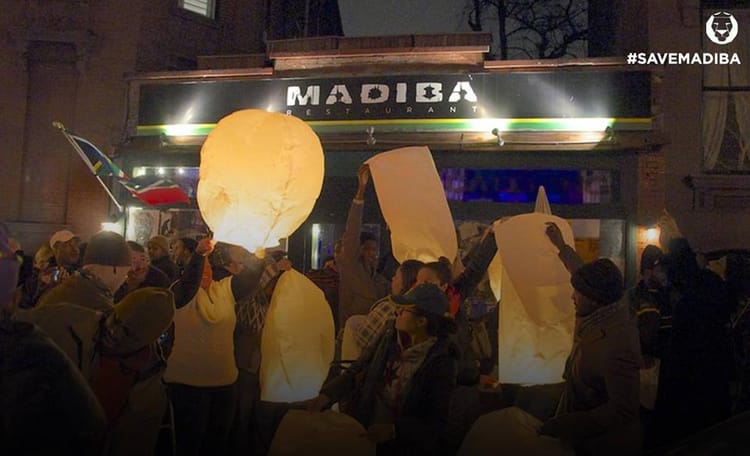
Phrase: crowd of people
[104,344]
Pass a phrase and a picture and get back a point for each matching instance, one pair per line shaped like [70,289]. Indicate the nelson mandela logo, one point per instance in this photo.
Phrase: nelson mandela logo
[721,28]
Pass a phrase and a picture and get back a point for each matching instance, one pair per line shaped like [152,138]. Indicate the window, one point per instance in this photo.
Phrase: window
[726,102]
[206,8]
[521,186]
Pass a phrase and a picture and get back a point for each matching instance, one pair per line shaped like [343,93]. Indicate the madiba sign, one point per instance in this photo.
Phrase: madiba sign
[260,175]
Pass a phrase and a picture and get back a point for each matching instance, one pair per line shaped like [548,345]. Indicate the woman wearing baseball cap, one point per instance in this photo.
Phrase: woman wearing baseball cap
[400,388]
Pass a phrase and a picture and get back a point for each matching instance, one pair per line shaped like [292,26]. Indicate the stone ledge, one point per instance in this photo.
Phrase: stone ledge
[714,192]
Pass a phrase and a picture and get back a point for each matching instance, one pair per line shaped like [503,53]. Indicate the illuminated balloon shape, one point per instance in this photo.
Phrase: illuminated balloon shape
[260,175]
[297,343]
[414,206]
[536,316]
[302,433]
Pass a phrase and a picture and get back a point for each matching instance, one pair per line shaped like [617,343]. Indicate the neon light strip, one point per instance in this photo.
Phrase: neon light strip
[417,125]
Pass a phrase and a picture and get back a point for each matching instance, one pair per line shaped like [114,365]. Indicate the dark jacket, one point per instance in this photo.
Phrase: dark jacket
[45,404]
[425,406]
[359,286]
[155,277]
[476,263]
[140,404]
[167,266]
[694,376]
[646,305]
[599,409]
[82,289]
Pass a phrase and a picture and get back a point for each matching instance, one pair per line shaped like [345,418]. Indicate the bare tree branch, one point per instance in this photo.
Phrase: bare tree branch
[536,28]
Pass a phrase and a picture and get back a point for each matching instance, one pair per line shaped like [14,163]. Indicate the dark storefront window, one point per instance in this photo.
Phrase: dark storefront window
[521,185]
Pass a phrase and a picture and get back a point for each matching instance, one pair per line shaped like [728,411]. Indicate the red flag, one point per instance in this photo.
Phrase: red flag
[155,190]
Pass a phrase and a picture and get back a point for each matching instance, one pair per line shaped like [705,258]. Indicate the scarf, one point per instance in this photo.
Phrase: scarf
[594,319]
[400,369]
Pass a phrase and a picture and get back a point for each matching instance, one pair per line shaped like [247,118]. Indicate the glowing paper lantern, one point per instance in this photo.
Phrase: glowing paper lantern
[536,317]
[513,430]
[410,194]
[297,343]
[260,175]
[303,433]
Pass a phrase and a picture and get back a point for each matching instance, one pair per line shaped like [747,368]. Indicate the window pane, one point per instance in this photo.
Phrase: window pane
[521,185]
[202,7]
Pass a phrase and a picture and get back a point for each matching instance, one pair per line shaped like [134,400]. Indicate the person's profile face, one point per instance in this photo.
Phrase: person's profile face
[154,251]
[68,251]
[369,251]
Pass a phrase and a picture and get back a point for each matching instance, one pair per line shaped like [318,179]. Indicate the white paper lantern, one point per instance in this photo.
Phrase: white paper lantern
[536,316]
[302,433]
[413,202]
[260,175]
[297,343]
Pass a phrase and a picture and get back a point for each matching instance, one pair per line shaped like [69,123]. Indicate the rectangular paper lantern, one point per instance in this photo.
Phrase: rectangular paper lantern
[536,313]
[413,202]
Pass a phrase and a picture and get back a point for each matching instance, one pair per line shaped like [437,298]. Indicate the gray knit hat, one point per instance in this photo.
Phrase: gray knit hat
[600,280]
[108,249]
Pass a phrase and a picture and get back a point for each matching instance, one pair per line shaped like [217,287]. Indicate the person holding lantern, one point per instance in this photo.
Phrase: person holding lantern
[400,388]
[599,408]
[201,371]
[360,284]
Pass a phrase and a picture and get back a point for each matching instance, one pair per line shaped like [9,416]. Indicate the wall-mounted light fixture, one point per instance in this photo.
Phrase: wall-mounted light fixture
[370,136]
[609,134]
[500,140]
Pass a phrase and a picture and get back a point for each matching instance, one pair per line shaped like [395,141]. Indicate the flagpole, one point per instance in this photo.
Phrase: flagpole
[61,127]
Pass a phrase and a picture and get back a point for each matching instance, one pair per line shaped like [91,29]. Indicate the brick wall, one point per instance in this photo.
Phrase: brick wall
[66,60]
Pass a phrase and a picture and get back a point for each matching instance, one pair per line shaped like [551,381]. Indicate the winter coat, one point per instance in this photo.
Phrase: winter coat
[599,408]
[83,289]
[136,414]
[359,287]
[154,278]
[167,266]
[425,405]
[45,404]
[694,376]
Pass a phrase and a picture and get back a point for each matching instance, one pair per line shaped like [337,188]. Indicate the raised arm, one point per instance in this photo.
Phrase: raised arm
[187,285]
[567,254]
[476,263]
[350,239]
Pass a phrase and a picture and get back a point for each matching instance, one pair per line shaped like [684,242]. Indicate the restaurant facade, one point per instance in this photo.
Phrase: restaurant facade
[583,129]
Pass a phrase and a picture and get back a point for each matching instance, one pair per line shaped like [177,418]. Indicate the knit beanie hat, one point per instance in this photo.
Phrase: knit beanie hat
[147,313]
[600,280]
[161,242]
[9,267]
[108,249]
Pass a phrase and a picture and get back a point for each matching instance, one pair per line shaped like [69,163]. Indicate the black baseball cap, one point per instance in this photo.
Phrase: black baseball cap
[427,298]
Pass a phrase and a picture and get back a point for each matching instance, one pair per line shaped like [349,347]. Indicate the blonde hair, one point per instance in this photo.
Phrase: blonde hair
[43,255]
